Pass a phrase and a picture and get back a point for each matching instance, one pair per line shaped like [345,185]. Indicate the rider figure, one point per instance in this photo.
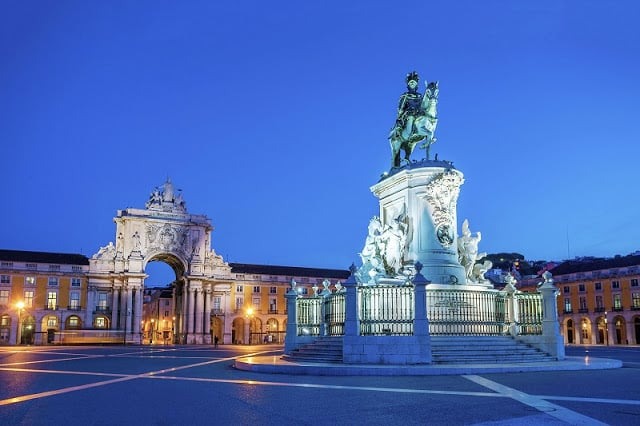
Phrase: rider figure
[410,104]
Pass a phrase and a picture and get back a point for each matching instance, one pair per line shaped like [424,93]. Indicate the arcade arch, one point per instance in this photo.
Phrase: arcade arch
[163,231]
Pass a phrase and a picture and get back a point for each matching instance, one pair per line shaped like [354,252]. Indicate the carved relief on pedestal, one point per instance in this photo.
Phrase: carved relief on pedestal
[442,195]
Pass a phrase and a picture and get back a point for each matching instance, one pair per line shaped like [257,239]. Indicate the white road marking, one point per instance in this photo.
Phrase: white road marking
[561,413]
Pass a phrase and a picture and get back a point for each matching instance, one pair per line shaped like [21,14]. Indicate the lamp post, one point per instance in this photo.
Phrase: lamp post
[151,332]
[20,306]
[249,313]
[606,329]
[173,328]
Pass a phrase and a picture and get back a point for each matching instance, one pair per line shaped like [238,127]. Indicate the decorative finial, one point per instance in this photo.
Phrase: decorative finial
[418,267]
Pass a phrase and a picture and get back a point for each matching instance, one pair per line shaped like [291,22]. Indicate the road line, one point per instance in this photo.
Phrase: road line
[587,399]
[557,411]
[28,397]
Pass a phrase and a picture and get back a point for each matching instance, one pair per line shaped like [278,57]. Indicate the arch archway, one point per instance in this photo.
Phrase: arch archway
[620,330]
[602,331]
[237,331]
[161,232]
[585,331]
[636,326]
[570,330]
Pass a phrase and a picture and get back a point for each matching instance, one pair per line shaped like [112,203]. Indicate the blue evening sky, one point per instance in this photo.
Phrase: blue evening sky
[272,117]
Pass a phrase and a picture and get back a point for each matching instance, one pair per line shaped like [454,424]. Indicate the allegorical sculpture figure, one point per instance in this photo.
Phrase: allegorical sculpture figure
[384,250]
[416,119]
[468,250]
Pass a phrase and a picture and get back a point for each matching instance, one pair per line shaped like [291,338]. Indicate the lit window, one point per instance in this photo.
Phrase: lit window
[52,322]
[52,300]
[617,301]
[30,281]
[239,302]
[101,322]
[567,305]
[256,302]
[273,306]
[635,298]
[5,320]
[74,300]
[102,301]
[28,299]
[74,322]
[4,297]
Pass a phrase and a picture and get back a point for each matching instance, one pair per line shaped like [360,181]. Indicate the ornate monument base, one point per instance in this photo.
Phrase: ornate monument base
[424,196]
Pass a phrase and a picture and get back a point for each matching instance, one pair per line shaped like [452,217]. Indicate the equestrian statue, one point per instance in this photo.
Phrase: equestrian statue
[416,120]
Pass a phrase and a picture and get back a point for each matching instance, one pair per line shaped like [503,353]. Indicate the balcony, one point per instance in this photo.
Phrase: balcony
[599,309]
[51,307]
[568,311]
[74,308]
[583,310]
[618,309]
[102,310]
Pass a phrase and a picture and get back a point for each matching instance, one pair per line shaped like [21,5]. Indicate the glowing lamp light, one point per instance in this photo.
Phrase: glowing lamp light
[20,305]
[249,311]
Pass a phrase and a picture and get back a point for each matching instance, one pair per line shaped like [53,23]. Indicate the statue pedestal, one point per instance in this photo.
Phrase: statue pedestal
[426,193]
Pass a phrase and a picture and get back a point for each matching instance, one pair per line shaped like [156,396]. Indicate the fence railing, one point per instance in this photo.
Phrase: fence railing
[389,310]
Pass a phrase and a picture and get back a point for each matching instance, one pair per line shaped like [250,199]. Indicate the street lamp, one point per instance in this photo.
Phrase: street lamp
[151,332]
[20,306]
[249,312]
[606,329]
[173,328]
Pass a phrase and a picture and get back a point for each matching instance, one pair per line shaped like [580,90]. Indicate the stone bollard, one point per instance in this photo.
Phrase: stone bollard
[291,337]
[550,327]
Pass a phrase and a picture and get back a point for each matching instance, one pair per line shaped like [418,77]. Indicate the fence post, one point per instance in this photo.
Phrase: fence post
[511,305]
[420,320]
[550,327]
[291,336]
[351,305]
[323,307]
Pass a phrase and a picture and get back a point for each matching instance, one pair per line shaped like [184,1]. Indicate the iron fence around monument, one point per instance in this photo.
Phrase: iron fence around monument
[334,314]
[386,310]
[529,317]
[309,315]
[462,312]
[389,310]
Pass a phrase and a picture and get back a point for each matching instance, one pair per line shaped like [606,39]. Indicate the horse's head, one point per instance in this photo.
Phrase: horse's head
[432,90]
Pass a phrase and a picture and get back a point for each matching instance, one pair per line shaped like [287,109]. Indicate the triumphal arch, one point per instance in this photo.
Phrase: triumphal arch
[162,231]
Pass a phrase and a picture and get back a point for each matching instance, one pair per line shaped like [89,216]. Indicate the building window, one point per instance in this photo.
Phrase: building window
[256,302]
[29,281]
[304,290]
[73,322]
[5,321]
[239,288]
[76,268]
[32,266]
[4,297]
[216,303]
[566,289]
[239,302]
[598,286]
[52,322]
[167,302]
[7,264]
[581,288]
[240,277]
[166,313]
[567,306]
[583,304]
[101,323]
[617,302]
[102,301]
[273,290]
[599,303]
[54,267]
[5,279]
[273,305]
[615,284]
[75,282]
[634,282]
[28,299]
[53,281]
[256,289]
[52,300]
[74,300]
[635,300]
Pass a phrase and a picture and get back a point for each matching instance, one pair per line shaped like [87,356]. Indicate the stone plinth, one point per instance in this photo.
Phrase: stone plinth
[425,195]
